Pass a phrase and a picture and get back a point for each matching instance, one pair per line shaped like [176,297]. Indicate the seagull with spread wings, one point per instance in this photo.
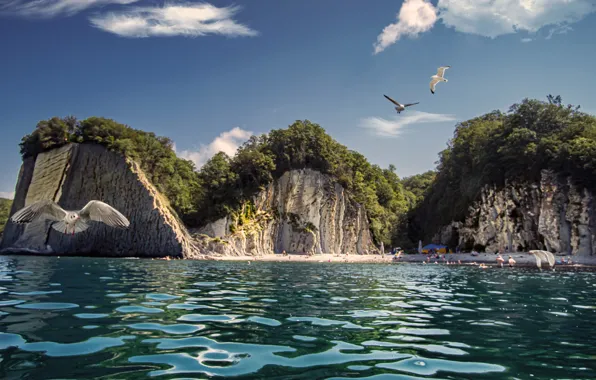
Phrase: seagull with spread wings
[400,107]
[438,77]
[71,221]
[539,256]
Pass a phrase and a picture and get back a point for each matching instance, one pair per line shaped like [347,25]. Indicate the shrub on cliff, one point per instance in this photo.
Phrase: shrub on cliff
[5,205]
[174,177]
[228,182]
[225,183]
[498,147]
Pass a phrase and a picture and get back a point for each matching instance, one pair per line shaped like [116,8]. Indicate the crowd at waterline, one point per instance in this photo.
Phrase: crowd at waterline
[480,260]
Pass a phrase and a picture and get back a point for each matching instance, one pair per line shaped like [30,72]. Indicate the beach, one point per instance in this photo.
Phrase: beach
[522,259]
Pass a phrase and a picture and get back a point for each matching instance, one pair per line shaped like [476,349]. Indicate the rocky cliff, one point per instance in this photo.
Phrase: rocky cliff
[304,211]
[552,215]
[76,173]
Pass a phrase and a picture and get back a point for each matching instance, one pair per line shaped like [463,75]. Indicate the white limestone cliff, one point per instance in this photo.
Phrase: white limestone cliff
[304,211]
[552,215]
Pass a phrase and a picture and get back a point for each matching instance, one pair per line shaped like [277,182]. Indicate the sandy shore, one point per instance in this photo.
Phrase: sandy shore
[521,258]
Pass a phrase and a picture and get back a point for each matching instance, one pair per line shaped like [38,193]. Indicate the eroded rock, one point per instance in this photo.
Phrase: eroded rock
[76,173]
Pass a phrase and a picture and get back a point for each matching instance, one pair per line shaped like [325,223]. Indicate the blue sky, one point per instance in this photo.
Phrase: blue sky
[208,75]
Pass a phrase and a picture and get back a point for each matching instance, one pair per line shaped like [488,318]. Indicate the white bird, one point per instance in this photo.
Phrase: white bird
[71,221]
[400,107]
[438,77]
[543,255]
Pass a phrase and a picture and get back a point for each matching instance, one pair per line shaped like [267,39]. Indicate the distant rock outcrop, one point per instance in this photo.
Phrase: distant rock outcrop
[76,173]
[552,215]
[304,211]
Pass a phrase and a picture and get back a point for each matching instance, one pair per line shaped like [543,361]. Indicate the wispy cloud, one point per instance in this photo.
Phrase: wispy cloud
[560,29]
[395,127]
[227,142]
[526,40]
[51,8]
[183,19]
[7,194]
[488,18]
[414,17]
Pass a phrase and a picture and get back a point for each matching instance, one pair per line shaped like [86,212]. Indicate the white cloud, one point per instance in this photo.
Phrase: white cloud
[526,40]
[51,8]
[414,17]
[183,19]
[394,128]
[488,18]
[7,194]
[227,142]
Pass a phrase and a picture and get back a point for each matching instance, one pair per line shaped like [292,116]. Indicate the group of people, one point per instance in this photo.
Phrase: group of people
[501,260]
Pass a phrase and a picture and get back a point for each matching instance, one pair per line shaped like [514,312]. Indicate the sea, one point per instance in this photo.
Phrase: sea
[102,318]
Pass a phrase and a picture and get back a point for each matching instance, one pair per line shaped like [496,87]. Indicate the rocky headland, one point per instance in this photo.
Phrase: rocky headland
[73,174]
[510,182]
[304,211]
[552,214]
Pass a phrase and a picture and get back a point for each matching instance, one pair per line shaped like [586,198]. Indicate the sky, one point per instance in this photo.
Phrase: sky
[208,75]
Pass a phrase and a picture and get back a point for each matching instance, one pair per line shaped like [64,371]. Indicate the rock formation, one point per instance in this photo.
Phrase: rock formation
[304,211]
[76,173]
[552,215]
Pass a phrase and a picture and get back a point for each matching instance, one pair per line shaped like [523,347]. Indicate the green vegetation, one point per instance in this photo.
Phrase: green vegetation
[5,205]
[229,182]
[174,177]
[225,185]
[490,149]
[496,148]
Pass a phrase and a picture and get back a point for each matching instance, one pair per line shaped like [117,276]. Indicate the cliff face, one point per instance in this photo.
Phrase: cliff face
[551,215]
[303,211]
[75,174]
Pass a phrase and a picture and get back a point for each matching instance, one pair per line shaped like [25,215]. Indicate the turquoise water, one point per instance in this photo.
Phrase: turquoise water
[74,318]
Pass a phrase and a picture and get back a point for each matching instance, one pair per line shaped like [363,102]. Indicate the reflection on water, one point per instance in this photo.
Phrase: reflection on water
[125,319]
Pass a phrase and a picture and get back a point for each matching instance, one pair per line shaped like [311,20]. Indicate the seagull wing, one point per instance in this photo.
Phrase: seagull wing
[538,261]
[433,83]
[550,258]
[102,212]
[45,209]
[410,104]
[441,70]
[392,101]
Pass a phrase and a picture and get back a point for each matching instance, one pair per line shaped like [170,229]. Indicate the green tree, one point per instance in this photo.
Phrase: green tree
[496,148]
[5,205]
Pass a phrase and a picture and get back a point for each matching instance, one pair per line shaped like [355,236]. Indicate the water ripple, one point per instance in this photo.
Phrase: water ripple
[130,319]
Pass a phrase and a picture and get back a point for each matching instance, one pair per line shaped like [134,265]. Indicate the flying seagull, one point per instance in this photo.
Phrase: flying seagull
[543,255]
[400,107]
[438,77]
[71,221]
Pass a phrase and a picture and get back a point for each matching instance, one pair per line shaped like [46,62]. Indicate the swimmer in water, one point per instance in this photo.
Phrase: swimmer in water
[511,261]
[500,261]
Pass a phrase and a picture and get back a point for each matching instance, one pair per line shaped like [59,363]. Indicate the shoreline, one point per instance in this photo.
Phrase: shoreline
[523,259]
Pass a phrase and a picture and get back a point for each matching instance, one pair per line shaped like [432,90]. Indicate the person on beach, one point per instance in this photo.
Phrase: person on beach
[511,261]
[500,261]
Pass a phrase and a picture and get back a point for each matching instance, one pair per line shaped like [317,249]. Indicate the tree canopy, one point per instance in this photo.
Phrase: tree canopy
[225,183]
[174,177]
[489,149]
[500,147]
[5,205]
[228,181]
